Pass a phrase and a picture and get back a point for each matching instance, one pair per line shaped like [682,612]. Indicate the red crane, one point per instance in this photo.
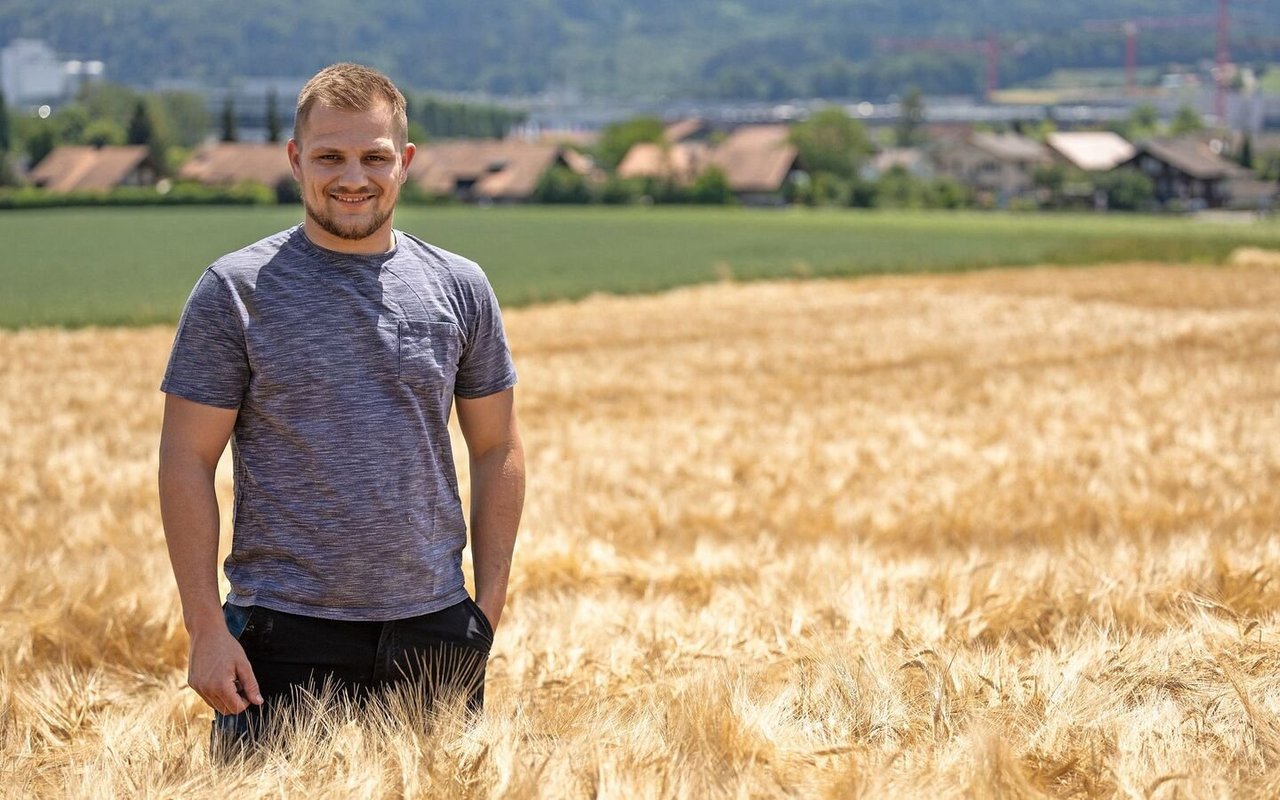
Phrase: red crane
[989,47]
[1131,27]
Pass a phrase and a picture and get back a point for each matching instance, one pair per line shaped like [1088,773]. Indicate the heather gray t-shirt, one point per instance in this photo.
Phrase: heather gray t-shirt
[343,368]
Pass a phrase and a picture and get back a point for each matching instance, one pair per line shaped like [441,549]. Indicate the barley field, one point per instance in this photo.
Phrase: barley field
[993,535]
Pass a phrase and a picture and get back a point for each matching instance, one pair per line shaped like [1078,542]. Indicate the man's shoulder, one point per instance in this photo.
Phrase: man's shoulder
[438,258]
[253,257]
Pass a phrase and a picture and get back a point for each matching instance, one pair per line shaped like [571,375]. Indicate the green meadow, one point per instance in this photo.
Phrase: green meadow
[130,266]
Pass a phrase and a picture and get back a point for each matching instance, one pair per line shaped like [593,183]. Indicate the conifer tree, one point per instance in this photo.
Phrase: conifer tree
[273,116]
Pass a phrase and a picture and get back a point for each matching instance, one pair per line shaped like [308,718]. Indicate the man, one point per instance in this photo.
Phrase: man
[329,355]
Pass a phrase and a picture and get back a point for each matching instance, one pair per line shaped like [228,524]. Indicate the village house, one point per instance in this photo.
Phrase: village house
[230,163]
[489,170]
[83,168]
[912,160]
[1187,172]
[1091,151]
[758,161]
[998,166]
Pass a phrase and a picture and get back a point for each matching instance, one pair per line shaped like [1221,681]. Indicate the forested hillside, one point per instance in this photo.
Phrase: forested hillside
[764,49]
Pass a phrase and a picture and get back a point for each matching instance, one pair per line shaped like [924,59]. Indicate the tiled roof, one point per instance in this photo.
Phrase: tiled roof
[1009,146]
[756,158]
[1192,157]
[498,169]
[227,163]
[680,163]
[74,168]
[1095,151]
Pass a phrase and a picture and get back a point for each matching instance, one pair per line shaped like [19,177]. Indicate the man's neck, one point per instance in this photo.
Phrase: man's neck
[381,241]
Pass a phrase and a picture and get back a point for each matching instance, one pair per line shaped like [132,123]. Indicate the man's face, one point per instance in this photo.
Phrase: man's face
[350,169]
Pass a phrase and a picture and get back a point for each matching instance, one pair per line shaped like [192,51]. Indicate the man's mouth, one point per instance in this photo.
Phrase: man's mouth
[351,199]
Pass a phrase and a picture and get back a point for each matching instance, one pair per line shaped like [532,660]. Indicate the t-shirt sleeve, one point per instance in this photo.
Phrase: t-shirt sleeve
[208,363]
[486,366]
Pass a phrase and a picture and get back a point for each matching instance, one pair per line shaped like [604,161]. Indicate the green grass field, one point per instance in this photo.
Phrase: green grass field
[78,267]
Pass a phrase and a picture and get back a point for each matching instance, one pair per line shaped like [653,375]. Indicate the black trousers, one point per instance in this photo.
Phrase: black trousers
[442,652]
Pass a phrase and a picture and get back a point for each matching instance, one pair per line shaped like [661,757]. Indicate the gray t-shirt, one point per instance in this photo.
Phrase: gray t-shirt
[343,368]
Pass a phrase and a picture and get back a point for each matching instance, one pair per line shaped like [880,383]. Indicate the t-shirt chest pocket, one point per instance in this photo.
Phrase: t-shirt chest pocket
[428,355]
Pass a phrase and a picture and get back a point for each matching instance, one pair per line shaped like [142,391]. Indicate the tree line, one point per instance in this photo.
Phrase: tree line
[173,123]
[747,49]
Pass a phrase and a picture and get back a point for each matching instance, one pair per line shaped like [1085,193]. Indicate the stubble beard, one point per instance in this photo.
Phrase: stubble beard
[351,231]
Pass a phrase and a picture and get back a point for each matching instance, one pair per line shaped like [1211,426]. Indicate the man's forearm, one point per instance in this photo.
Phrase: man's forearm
[497,498]
[189,510]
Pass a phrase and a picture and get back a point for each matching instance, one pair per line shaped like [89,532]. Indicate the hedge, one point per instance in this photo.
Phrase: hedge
[180,194]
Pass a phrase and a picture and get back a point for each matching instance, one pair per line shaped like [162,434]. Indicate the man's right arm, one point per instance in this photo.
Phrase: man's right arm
[191,442]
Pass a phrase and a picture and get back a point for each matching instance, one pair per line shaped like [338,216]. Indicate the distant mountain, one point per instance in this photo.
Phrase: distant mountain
[742,49]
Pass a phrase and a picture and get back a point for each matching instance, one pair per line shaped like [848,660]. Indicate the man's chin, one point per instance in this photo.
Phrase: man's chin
[353,230]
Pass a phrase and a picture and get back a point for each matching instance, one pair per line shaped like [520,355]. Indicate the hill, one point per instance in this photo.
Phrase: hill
[763,49]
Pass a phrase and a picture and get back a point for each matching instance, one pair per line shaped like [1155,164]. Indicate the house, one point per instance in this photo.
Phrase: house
[1186,171]
[229,163]
[688,129]
[486,170]
[1000,166]
[679,162]
[82,168]
[912,160]
[1091,151]
[757,161]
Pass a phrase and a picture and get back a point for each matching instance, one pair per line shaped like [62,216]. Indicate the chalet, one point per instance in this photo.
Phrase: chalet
[486,170]
[1187,172]
[1000,166]
[1091,151]
[758,161]
[82,168]
[229,163]
[678,162]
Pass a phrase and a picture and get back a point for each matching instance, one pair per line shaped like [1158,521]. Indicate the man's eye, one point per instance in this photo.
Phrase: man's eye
[375,158]
[329,157]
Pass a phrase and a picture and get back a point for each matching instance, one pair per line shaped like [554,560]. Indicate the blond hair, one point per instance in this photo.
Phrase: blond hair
[351,87]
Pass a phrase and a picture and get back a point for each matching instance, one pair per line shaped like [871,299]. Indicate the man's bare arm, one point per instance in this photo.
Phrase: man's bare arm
[191,442]
[497,493]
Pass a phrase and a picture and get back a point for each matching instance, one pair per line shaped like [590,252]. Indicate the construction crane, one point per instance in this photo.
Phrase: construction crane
[989,47]
[1132,27]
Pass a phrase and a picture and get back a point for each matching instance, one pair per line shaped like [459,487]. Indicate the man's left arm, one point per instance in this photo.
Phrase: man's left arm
[497,493]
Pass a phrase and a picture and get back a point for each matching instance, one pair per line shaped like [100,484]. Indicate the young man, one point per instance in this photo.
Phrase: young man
[329,355]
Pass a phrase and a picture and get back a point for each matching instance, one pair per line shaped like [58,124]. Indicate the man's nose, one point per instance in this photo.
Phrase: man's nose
[352,173]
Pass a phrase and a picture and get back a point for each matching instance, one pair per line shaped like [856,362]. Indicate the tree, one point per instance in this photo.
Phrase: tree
[103,133]
[907,131]
[6,140]
[230,132]
[273,116]
[1246,152]
[1186,120]
[561,185]
[829,141]
[711,188]
[618,138]
[141,129]
[1143,122]
[187,116]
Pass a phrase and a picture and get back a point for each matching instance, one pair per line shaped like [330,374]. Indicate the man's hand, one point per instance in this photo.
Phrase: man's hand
[220,673]
[492,611]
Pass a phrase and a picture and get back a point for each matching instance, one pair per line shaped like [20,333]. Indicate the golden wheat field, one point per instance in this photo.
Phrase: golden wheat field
[1005,534]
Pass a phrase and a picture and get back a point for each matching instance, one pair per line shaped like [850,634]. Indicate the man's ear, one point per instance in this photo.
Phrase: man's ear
[295,158]
[407,156]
